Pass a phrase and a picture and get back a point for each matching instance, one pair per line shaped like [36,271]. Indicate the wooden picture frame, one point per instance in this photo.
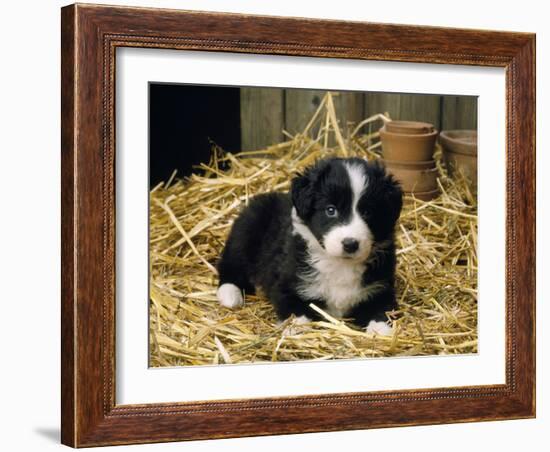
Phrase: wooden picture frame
[90,36]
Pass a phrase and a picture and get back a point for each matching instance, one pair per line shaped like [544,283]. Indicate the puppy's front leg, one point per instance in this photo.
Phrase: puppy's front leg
[290,303]
[371,313]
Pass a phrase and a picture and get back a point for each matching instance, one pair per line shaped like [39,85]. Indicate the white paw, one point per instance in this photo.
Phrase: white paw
[380,328]
[230,296]
[302,320]
[295,326]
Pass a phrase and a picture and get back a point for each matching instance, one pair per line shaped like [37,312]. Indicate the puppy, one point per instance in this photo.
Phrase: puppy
[330,241]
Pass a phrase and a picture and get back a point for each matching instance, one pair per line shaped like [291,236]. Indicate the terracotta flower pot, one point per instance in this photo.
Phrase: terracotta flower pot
[420,165]
[409,127]
[414,177]
[460,152]
[427,195]
[407,147]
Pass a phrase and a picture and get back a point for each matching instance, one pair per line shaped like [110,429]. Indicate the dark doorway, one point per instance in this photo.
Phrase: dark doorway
[184,120]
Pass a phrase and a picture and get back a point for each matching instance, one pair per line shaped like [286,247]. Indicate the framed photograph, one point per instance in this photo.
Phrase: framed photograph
[281,225]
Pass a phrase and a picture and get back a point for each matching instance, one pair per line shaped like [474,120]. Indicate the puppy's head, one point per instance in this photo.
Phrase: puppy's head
[344,206]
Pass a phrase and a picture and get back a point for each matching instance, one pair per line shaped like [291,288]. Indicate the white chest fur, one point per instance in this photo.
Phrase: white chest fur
[337,281]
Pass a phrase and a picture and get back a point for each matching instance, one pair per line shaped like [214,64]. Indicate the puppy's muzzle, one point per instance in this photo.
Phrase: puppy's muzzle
[350,245]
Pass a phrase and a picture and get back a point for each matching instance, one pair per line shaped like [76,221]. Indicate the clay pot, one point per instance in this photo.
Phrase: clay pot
[414,176]
[409,127]
[426,195]
[420,165]
[460,152]
[407,147]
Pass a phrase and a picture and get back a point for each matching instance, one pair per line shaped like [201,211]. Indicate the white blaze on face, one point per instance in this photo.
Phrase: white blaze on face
[356,228]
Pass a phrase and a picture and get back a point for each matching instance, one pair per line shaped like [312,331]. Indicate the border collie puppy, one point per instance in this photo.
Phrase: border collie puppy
[330,241]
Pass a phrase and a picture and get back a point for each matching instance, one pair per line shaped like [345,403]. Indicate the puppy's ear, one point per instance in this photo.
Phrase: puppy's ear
[393,198]
[303,187]
[302,194]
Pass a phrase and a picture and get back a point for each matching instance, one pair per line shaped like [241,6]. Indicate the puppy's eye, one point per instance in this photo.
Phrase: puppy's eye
[331,211]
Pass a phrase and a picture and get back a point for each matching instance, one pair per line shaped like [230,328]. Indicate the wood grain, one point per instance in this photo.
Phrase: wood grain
[300,105]
[90,36]
[266,112]
[458,112]
[262,117]
[406,107]
[68,243]
[349,107]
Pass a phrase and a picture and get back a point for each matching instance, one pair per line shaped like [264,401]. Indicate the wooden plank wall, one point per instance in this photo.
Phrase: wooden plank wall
[265,112]
[262,117]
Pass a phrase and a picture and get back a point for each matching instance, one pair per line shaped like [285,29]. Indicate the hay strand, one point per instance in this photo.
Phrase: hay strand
[189,222]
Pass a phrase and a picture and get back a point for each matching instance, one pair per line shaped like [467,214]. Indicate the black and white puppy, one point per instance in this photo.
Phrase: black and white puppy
[330,241]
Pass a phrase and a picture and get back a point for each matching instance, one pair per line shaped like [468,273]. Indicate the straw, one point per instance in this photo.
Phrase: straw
[190,218]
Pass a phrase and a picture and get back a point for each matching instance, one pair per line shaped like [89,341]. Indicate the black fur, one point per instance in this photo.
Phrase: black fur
[263,250]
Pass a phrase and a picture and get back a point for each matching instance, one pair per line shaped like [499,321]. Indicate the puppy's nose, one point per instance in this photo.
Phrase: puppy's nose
[350,245]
